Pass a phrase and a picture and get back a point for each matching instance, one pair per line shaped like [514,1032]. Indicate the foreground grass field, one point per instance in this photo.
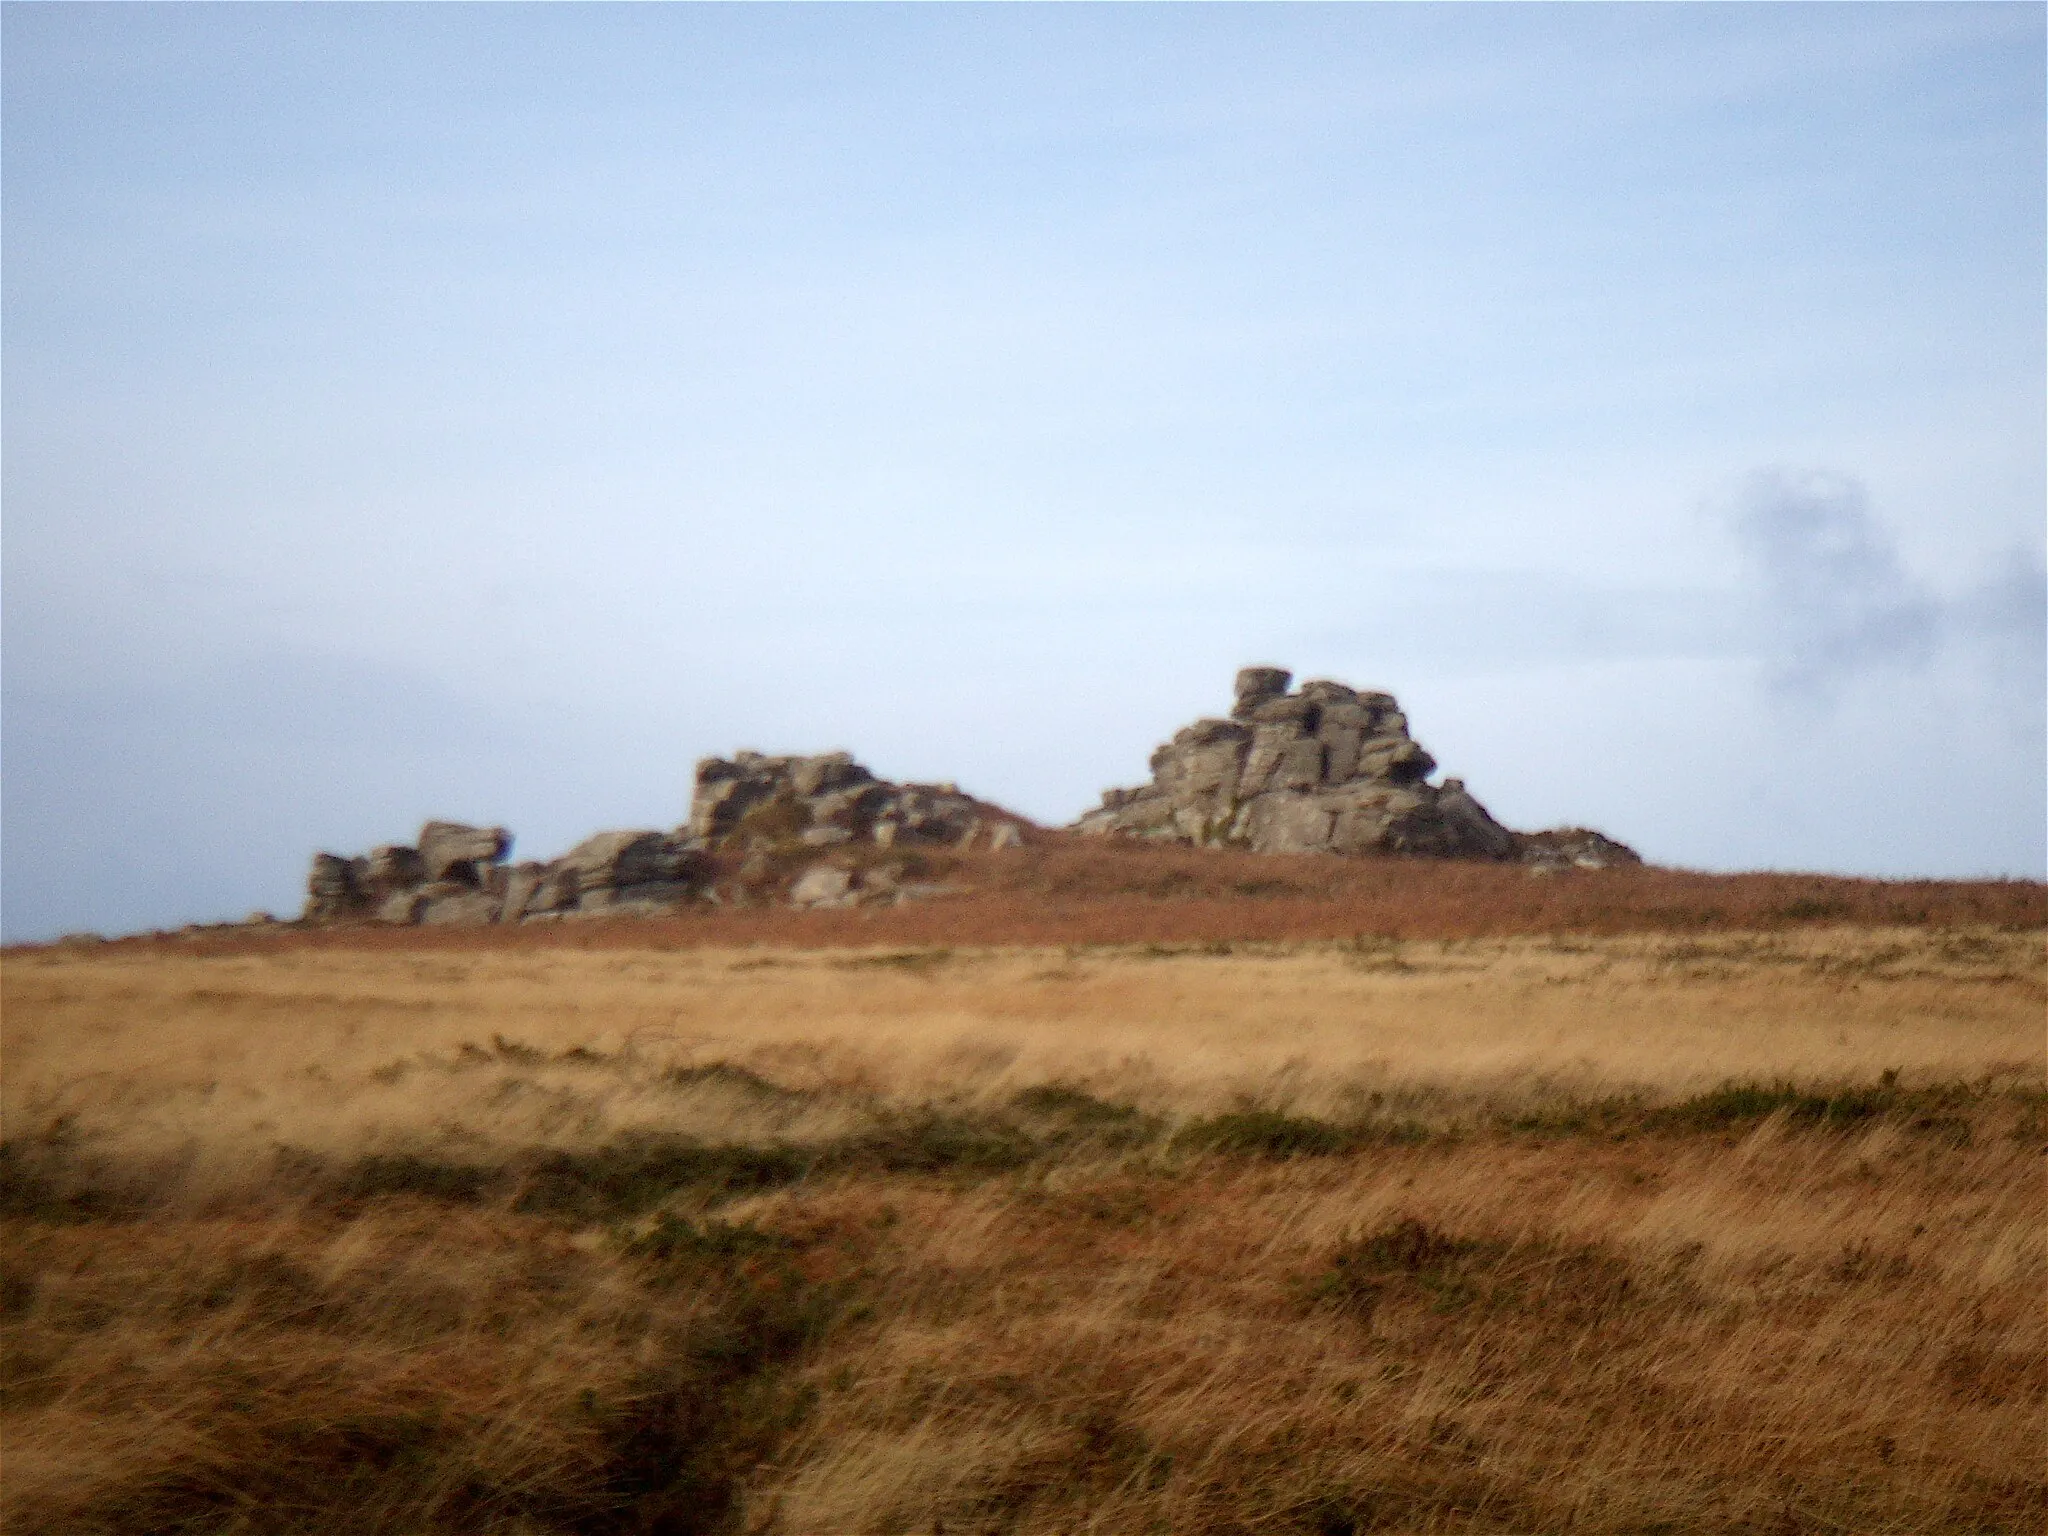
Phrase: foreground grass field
[1721,1230]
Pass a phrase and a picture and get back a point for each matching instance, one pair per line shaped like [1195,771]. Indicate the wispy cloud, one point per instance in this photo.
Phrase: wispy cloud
[1830,596]
[1831,600]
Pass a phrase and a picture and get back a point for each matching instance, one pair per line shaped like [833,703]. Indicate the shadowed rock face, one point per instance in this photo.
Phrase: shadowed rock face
[1324,769]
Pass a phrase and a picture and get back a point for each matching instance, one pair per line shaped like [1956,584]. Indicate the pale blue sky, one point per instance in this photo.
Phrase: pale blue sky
[484,411]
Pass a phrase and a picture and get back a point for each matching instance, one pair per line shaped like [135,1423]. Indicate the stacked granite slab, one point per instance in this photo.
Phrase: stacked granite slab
[769,811]
[752,800]
[457,875]
[1324,769]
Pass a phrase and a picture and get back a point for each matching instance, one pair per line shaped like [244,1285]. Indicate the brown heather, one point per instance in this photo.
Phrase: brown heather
[1199,1212]
[1069,890]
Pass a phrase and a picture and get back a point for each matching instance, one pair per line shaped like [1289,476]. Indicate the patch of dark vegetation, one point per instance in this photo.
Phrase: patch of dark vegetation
[1439,1493]
[1073,1106]
[915,962]
[611,1182]
[664,1450]
[725,1074]
[932,1142]
[51,1177]
[1268,1133]
[1411,1261]
[1257,888]
[1938,1111]
[424,1178]
[1264,1133]
[1214,949]
[1070,1118]
[636,1174]
[677,1243]
[1812,909]
[1941,1110]
[722,1407]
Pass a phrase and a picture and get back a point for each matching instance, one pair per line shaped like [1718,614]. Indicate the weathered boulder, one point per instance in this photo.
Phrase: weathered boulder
[456,877]
[1573,848]
[1456,805]
[457,906]
[1325,769]
[339,888]
[652,898]
[332,889]
[522,886]
[751,801]
[823,885]
[450,850]
[401,906]
[391,867]
[1255,685]
[612,860]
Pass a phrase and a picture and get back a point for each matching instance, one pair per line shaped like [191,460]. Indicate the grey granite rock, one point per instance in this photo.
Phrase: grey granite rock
[1327,768]
[451,850]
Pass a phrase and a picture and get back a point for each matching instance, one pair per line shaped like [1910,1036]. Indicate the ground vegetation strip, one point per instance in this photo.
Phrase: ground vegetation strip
[1064,889]
[1731,1232]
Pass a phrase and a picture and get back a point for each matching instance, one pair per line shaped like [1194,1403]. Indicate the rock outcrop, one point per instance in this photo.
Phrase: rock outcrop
[1324,769]
[456,875]
[823,802]
[804,829]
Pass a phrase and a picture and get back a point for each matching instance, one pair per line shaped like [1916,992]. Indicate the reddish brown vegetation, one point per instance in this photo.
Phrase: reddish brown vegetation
[1065,890]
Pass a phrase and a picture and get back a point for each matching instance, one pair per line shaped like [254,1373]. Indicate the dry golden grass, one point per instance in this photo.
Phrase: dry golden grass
[1438,1234]
[156,1053]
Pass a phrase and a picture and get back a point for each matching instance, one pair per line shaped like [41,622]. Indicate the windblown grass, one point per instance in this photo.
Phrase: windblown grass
[1708,1232]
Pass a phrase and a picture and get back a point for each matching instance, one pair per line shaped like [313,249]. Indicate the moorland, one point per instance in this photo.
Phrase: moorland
[1123,1190]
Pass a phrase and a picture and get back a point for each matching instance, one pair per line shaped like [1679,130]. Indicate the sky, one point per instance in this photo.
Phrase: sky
[484,412]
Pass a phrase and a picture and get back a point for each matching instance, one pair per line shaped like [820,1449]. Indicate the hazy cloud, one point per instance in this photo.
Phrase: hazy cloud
[1829,595]
[2007,608]
[1830,598]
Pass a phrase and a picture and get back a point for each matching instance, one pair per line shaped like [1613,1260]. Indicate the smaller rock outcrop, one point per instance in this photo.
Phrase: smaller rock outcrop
[1573,848]
[751,800]
[803,829]
[456,876]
